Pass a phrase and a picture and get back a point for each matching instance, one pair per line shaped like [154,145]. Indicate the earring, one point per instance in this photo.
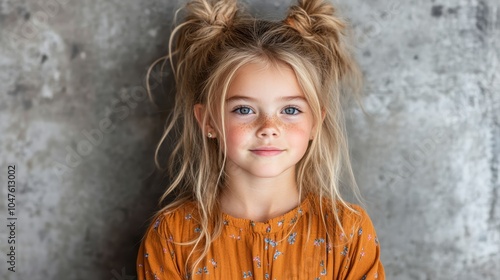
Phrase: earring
[209,135]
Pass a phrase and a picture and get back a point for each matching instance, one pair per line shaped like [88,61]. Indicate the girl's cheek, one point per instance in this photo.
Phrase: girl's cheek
[297,129]
[236,132]
[239,126]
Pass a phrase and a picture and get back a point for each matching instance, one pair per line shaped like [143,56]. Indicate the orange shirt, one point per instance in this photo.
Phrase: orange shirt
[277,249]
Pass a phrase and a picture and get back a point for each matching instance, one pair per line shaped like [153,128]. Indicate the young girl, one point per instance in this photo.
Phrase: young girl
[262,149]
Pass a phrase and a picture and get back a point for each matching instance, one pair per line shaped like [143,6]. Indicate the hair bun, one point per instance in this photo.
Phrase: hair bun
[204,25]
[317,22]
[215,13]
[205,21]
[313,18]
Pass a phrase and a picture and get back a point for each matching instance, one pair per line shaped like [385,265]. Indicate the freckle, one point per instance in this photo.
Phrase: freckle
[247,126]
[262,121]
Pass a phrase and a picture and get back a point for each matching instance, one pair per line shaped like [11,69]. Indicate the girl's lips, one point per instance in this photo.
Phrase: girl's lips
[267,151]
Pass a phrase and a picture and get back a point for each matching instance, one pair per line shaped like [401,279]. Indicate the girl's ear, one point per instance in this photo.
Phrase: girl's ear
[207,129]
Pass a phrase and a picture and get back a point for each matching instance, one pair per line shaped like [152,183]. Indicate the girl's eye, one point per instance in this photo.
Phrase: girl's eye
[243,110]
[291,111]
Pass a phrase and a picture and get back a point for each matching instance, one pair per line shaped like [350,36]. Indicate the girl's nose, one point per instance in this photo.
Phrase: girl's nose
[269,128]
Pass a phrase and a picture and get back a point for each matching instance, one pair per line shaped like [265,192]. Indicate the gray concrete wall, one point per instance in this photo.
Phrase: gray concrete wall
[76,124]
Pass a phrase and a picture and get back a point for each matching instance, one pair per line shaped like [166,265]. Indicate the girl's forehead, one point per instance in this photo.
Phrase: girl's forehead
[265,81]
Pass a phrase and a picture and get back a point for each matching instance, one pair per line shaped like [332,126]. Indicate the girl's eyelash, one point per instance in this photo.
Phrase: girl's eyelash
[296,108]
[246,107]
[241,107]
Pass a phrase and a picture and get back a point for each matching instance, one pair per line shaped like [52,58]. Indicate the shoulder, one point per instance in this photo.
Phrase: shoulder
[356,221]
[159,254]
[172,223]
[355,241]
[360,226]
[354,214]
[347,216]
[363,247]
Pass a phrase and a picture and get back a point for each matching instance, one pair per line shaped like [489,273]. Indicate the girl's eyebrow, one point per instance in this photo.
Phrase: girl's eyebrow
[248,98]
[238,97]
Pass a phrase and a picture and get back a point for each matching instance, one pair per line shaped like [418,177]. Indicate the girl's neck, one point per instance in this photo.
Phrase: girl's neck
[259,199]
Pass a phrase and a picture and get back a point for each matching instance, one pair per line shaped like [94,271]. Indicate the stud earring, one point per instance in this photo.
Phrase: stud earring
[209,135]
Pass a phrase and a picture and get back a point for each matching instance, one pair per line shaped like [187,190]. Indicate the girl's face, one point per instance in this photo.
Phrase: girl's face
[268,121]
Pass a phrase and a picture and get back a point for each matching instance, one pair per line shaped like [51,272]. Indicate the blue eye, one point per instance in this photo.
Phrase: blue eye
[291,111]
[243,110]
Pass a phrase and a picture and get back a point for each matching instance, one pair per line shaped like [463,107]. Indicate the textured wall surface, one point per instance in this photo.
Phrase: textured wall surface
[76,123]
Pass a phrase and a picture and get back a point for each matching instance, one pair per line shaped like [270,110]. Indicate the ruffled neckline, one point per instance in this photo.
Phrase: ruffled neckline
[273,225]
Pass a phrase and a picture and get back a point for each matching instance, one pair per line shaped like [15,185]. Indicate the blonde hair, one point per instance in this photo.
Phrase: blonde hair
[206,49]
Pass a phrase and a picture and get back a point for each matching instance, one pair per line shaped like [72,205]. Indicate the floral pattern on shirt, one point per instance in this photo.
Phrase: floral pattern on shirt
[277,249]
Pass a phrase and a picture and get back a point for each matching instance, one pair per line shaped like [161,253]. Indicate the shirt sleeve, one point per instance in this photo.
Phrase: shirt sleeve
[364,252]
[156,257]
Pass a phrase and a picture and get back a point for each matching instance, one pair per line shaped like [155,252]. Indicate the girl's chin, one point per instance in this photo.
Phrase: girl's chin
[261,172]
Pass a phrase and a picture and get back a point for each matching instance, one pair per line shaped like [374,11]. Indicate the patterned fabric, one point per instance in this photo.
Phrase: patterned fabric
[277,249]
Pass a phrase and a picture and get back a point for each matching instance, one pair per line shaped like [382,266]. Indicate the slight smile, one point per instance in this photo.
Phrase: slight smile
[267,151]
